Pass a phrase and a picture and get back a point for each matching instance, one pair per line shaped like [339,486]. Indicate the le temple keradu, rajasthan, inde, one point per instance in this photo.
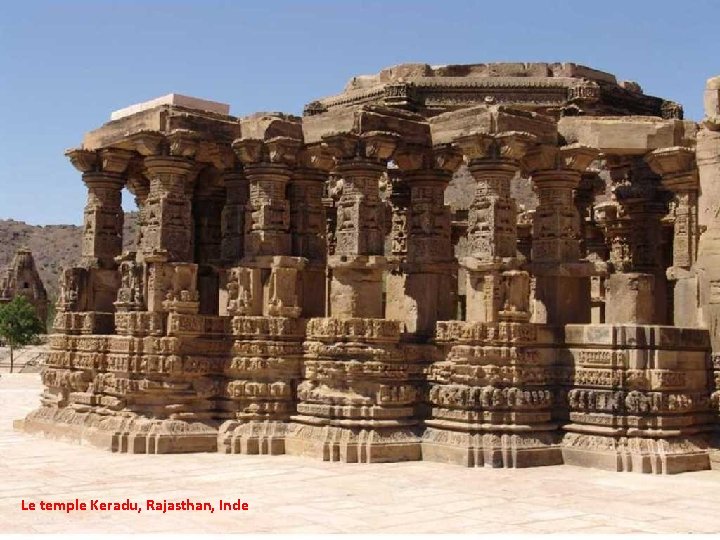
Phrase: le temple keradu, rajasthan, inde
[503,265]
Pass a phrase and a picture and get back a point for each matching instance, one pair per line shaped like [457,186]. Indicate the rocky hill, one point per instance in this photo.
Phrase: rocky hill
[53,246]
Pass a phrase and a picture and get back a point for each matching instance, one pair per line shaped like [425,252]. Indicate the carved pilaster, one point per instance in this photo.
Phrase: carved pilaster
[677,168]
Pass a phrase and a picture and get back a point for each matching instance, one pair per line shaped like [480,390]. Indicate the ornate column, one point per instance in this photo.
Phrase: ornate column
[496,289]
[593,246]
[635,291]
[358,394]
[232,246]
[677,168]
[169,227]
[490,393]
[308,226]
[421,288]
[94,284]
[139,187]
[561,279]
[263,299]
[103,223]
[358,263]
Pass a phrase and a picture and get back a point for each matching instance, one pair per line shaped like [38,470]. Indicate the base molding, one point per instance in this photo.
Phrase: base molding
[132,435]
[492,450]
[353,445]
[635,454]
[135,435]
[252,438]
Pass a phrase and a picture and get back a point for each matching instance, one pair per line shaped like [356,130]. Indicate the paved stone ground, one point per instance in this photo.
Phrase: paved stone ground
[288,494]
[26,360]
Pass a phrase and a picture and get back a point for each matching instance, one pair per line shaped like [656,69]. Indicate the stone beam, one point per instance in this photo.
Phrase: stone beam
[623,135]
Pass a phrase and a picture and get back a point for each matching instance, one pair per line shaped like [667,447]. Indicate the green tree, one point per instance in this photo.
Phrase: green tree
[19,325]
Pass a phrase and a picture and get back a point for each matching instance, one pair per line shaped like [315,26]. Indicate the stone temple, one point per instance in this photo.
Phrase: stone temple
[21,278]
[301,285]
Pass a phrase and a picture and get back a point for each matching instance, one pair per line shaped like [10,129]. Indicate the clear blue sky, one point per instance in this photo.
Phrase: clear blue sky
[64,66]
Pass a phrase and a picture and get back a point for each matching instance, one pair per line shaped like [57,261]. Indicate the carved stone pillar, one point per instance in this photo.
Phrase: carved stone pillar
[593,247]
[477,417]
[268,166]
[168,233]
[358,263]
[208,204]
[356,402]
[308,227]
[139,186]
[97,282]
[493,160]
[233,216]
[677,168]
[268,213]
[263,299]
[562,286]
[421,289]
[103,223]
[636,290]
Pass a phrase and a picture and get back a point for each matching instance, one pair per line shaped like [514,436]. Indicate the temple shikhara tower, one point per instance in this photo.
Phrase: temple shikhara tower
[21,278]
[503,265]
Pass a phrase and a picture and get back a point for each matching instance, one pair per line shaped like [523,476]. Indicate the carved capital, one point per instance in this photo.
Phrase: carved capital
[413,157]
[341,145]
[162,165]
[316,156]
[379,145]
[115,160]
[183,143]
[373,145]
[446,157]
[83,160]
[571,158]
[112,161]
[219,155]
[279,150]
[248,150]
[283,150]
[509,145]
[677,167]
[148,143]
